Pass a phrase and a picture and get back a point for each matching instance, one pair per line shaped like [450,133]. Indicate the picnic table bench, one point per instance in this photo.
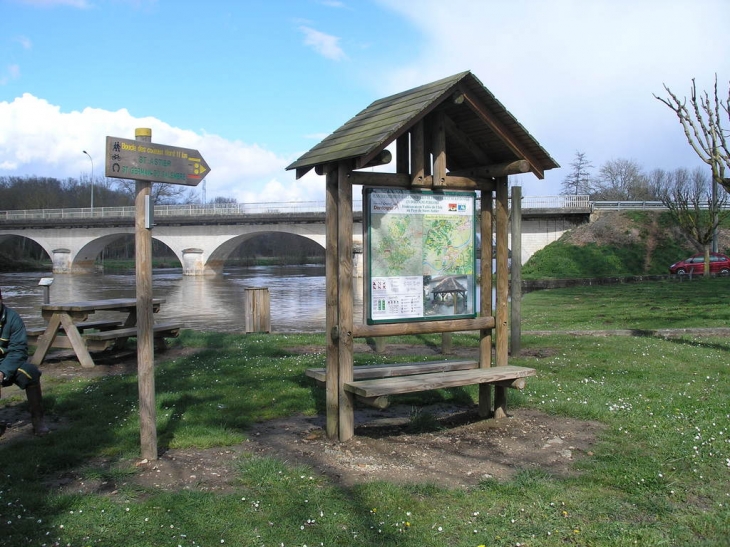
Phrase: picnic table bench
[69,328]
[121,335]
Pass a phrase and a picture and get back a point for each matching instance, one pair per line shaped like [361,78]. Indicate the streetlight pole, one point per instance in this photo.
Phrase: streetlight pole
[92,182]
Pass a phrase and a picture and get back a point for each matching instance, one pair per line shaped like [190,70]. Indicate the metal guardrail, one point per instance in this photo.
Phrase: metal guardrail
[242,209]
[626,205]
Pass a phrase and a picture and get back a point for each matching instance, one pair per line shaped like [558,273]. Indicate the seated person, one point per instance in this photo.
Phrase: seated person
[15,368]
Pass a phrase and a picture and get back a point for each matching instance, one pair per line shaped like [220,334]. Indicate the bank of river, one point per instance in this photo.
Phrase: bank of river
[297,295]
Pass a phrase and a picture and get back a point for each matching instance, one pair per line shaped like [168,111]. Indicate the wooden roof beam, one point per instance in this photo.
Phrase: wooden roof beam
[462,139]
[497,170]
[403,180]
[503,133]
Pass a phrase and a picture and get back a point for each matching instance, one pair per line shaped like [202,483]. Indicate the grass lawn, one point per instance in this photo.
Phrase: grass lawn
[658,475]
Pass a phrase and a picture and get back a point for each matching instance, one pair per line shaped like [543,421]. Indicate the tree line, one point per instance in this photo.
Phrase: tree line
[36,192]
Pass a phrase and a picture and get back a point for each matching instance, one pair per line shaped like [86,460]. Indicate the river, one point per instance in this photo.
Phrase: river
[297,295]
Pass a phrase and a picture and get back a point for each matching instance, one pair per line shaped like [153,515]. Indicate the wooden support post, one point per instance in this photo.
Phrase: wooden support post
[345,301]
[418,156]
[485,301]
[332,392]
[502,312]
[516,273]
[438,148]
[401,154]
[145,318]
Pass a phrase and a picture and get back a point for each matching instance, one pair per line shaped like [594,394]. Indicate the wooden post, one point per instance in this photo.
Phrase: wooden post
[502,312]
[418,157]
[256,310]
[346,300]
[145,333]
[438,147]
[401,154]
[485,301]
[332,299]
[516,273]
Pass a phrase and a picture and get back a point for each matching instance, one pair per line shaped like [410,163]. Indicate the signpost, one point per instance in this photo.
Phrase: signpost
[147,162]
[139,160]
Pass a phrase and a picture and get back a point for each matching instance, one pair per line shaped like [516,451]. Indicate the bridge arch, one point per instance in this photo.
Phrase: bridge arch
[204,249]
[41,243]
[218,257]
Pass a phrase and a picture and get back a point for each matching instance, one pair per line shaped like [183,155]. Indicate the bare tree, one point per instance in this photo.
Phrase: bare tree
[702,123]
[578,181]
[623,180]
[689,197]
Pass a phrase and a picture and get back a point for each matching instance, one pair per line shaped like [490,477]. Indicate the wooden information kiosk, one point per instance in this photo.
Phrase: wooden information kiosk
[449,136]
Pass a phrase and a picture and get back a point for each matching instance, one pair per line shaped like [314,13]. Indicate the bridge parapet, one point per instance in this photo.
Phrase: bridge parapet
[215,212]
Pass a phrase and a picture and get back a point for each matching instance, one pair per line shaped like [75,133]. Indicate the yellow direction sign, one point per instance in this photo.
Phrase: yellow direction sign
[139,160]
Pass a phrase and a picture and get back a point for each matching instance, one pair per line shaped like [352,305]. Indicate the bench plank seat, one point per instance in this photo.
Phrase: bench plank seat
[84,325]
[166,330]
[438,380]
[363,372]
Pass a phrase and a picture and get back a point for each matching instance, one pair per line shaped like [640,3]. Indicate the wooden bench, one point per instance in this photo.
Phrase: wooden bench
[120,336]
[83,326]
[397,369]
[372,384]
[62,342]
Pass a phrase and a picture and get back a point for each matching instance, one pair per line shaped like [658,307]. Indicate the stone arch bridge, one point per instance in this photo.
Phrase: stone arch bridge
[202,237]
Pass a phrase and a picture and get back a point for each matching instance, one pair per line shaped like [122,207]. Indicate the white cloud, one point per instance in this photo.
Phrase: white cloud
[39,139]
[24,42]
[12,72]
[324,44]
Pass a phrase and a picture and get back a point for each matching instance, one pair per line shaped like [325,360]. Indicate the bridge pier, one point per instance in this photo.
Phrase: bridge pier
[192,262]
[61,259]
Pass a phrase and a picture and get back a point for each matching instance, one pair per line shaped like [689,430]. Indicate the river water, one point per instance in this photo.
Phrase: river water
[297,295]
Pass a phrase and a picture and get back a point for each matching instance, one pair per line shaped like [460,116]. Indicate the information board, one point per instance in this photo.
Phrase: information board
[420,258]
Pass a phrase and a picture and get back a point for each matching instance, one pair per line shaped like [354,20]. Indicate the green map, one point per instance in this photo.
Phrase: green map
[448,245]
[432,245]
[397,246]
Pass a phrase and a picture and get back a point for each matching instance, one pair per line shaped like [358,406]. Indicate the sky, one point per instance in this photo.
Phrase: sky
[254,84]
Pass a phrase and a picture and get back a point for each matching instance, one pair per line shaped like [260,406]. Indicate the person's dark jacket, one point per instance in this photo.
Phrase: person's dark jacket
[13,341]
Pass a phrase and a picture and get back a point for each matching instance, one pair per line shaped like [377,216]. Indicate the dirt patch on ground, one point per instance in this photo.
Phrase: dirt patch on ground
[466,451]
[458,450]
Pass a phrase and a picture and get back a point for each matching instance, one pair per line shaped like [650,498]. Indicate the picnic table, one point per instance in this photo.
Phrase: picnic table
[68,327]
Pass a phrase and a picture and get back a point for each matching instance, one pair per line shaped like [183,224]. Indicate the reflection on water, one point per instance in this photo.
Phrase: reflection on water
[297,295]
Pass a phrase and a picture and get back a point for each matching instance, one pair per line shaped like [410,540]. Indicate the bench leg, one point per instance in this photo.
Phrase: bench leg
[500,402]
[45,340]
[485,400]
[77,342]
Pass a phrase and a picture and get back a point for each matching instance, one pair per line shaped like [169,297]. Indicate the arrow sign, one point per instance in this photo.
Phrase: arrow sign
[139,160]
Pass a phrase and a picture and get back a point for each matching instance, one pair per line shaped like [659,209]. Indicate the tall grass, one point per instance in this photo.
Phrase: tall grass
[658,475]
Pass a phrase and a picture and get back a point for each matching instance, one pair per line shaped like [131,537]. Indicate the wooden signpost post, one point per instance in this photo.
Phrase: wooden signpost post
[147,162]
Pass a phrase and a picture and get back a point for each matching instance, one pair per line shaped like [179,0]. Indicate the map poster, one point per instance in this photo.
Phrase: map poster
[420,259]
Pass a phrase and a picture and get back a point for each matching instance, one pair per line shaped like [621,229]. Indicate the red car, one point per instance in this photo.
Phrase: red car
[719,264]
